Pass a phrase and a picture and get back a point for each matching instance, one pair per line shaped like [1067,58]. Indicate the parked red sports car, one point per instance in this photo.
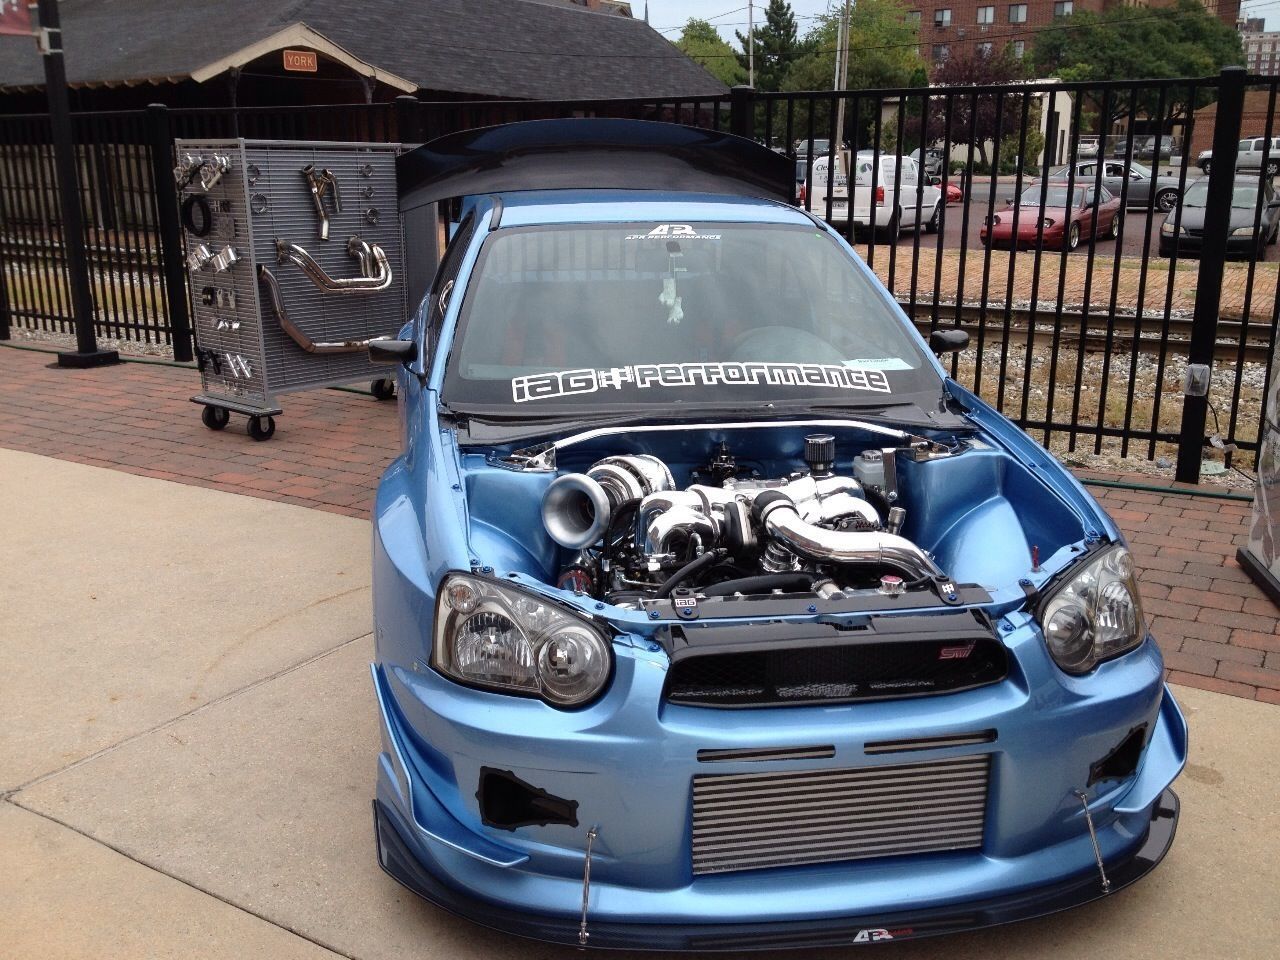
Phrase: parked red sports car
[954,193]
[1066,220]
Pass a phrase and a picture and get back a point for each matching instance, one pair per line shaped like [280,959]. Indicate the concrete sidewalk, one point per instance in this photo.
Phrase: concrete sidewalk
[188,738]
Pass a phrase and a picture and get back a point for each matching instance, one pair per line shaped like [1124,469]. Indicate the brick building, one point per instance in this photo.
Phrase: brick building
[1261,47]
[955,26]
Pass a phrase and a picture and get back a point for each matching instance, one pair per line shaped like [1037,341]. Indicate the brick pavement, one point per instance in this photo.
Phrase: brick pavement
[1217,629]
[329,449]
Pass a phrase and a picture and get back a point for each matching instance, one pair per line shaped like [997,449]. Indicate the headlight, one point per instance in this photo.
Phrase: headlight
[1242,232]
[495,636]
[1167,229]
[1046,222]
[1094,614]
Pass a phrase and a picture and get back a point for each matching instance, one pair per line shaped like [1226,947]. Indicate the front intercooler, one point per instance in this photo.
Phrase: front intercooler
[747,821]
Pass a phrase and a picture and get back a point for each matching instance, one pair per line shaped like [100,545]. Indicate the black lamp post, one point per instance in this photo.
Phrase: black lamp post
[86,353]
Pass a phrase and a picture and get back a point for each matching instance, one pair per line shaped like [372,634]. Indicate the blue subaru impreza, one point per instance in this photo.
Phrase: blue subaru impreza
[710,613]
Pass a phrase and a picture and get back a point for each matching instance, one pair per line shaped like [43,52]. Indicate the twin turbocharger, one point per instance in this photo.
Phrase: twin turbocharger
[817,517]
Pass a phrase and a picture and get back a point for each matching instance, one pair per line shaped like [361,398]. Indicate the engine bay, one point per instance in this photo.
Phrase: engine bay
[734,533]
[686,518]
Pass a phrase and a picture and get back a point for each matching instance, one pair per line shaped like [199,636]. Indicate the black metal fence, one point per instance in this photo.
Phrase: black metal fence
[1081,329]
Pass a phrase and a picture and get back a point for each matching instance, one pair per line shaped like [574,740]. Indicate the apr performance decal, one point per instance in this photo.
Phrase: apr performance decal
[673,231]
[642,376]
[879,934]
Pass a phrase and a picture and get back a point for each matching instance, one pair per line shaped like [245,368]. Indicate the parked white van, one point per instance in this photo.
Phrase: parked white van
[906,203]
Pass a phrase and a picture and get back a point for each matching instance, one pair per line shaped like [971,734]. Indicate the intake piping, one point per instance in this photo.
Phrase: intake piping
[776,512]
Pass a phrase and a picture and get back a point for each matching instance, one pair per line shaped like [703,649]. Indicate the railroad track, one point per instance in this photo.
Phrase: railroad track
[1013,325]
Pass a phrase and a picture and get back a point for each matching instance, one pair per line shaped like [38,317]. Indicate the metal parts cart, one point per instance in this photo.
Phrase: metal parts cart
[296,261]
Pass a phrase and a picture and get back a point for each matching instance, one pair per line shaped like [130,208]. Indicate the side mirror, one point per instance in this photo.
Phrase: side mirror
[393,351]
[935,181]
[951,340]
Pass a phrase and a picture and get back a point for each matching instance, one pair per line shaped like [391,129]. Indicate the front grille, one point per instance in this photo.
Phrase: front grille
[757,820]
[836,673]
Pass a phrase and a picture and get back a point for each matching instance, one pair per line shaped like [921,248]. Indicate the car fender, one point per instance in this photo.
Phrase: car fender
[1019,445]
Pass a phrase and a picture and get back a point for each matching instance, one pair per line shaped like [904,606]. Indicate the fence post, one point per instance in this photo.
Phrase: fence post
[1217,226]
[160,138]
[4,305]
[742,103]
[408,119]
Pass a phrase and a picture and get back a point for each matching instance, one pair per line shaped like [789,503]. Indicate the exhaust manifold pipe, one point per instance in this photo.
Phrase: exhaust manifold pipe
[577,508]
[777,514]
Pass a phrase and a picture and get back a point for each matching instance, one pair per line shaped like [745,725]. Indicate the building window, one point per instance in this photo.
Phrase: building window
[940,52]
[984,49]
[1019,48]
[986,15]
[1017,13]
[942,18]
[913,18]
[1063,8]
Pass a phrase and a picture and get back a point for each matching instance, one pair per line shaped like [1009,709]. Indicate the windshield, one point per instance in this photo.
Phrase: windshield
[586,317]
[1243,195]
[1054,196]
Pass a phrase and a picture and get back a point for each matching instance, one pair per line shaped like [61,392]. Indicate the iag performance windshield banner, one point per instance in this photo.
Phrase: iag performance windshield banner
[644,376]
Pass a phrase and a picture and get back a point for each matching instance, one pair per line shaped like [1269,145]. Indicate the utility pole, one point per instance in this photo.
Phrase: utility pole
[842,74]
[86,353]
[751,43]
[835,80]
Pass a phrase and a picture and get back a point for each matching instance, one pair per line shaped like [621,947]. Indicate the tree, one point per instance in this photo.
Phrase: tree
[882,53]
[776,46]
[977,120]
[1138,43]
[702,44]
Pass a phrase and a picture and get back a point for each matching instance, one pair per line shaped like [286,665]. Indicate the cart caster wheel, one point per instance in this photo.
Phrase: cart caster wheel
[262,428]
[215,418]
[384,389]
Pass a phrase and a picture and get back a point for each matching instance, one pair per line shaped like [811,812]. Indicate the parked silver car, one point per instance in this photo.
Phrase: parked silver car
[1144,184]
[932,161]
[1249,154]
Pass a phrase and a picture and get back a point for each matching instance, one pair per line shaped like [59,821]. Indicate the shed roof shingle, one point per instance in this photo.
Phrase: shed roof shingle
[500,48]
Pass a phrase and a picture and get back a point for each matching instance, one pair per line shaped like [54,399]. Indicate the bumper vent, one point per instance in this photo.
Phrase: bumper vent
[872,669]
[766,753]
[752,821]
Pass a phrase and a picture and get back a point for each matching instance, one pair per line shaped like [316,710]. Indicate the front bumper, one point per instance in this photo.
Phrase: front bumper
[631,767]
[397,859]
[1188,246]
[1051,239]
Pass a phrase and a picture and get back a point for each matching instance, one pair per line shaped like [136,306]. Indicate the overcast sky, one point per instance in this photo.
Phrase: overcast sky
[668,16]
[1261,8]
